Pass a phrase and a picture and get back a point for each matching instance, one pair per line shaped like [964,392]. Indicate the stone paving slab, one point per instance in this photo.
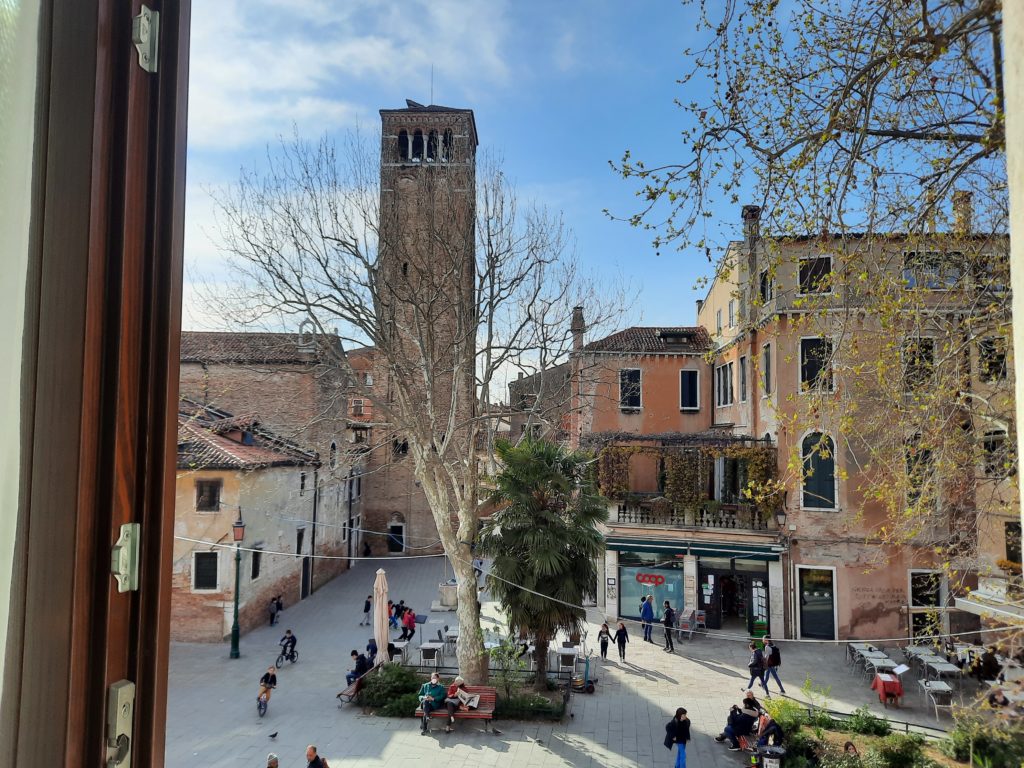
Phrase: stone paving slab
[212,719]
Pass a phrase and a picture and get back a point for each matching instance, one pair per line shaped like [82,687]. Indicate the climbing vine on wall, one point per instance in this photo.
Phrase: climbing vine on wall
[688,469]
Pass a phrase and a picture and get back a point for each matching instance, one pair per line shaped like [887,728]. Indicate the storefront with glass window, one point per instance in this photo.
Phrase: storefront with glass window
[730,586]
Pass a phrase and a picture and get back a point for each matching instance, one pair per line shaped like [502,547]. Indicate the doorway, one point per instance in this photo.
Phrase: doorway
[307,571]
[817,603]
[733,596]
[396,537]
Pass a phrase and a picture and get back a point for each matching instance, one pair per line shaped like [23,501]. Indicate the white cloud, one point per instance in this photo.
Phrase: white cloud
[258,67]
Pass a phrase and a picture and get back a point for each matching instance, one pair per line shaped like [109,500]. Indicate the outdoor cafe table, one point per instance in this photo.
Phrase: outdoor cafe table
[852,649]
[889,688]
[880,665]
[941,668]
[403,647]
[864,656]
[928,658]
[439,647]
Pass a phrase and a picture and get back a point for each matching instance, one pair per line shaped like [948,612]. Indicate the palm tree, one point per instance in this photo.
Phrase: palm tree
[543,540]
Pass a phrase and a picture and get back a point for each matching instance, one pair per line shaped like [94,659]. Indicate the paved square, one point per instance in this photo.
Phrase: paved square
[212,719]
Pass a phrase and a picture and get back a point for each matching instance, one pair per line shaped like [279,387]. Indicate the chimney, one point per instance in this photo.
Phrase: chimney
[578,327]
[963,212]
[700,305]
[751,224]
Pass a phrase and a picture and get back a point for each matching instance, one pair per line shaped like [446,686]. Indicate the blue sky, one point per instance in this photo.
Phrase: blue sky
[558,89]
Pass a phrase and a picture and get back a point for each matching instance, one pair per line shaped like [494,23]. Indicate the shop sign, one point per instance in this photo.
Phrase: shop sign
[650,578]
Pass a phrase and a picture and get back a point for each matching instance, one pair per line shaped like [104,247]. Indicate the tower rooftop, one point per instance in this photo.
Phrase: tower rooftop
[414,107]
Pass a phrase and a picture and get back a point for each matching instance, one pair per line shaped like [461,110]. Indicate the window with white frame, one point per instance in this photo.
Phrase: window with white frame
[732,313]
[927,593]
[816,274]
[205,577]
[932,270]
[816,363]
[743,379]
[999,461]
[819,482]
[357,407]
[718,322]
[766,290]
[920,472]
[689,390]
[918,356]
[992,358]
[766,368]
[629,389]
[723,385]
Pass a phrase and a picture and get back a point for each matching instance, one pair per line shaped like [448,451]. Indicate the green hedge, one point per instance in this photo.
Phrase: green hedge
[530,706]
[387,685]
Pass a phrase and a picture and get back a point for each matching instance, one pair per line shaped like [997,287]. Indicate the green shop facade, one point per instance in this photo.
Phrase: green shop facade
[730,585]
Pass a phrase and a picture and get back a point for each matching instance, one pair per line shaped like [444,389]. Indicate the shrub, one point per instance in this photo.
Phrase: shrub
[995,744]
[788,714]
[801,749]
[821,719]
[862,721]
[530,706]
[387,684]
[901,749]
[404,706]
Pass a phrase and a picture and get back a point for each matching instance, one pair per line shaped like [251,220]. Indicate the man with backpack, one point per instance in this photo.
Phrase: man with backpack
[669,620]
[756,667]
[772,662]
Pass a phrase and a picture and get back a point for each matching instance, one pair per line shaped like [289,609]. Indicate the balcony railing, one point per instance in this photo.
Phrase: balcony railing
[710,515]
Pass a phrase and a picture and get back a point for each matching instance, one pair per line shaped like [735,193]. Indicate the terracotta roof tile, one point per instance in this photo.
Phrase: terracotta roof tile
[252,348]
[202,443]
[655,340]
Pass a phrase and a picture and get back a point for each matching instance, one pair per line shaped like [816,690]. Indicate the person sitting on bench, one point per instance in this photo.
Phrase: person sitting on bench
[741,722]
[452,701]
[769,730]
[362,666]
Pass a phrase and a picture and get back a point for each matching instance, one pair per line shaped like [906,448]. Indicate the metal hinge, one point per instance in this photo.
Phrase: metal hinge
[124,558]
[146,36]
[120,720]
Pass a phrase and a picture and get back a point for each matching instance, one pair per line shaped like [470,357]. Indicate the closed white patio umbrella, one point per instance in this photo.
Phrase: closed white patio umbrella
[380,616]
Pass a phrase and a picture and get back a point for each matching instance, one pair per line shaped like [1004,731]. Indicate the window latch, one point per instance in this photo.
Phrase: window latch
[146,36]
[120,721]
[124,558]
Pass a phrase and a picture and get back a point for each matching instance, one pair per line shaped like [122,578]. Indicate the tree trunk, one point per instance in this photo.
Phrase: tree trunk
[470,648]
[540,683]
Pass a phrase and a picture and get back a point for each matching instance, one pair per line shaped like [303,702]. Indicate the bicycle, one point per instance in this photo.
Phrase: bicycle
[287,655]
[261,704]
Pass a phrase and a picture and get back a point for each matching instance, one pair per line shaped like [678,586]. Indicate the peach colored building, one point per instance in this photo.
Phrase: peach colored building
[777,363]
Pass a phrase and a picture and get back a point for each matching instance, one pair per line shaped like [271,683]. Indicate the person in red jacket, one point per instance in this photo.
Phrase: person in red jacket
[408,624]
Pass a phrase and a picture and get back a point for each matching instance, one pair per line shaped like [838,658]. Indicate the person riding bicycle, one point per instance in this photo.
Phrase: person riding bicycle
[267,683]
[288,643]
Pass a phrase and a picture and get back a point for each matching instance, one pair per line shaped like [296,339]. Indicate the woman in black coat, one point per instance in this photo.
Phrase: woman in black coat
[678,732]
[621,638]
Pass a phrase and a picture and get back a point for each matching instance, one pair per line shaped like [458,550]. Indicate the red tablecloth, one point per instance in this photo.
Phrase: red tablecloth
[888,687]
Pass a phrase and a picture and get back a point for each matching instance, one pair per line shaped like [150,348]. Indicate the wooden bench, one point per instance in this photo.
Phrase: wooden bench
[485,712]
[350,693]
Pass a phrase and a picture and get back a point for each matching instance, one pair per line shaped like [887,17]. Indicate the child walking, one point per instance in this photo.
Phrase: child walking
[604,636]
[621,638]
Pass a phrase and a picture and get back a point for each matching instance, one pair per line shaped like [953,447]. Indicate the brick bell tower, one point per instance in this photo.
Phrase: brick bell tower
[426,298]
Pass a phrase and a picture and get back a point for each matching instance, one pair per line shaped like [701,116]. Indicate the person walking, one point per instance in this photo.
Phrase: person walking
[647,617]
[313,758]
[669,620]
[280,607]
[604,636]
[272,608]
[367,552]
[621,638]
[367,606]
[772,662]
[677,732]
[408,624]
[756,667]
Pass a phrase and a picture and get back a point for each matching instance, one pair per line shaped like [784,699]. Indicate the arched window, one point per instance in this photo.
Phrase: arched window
[819,484]
[432,146]
[447,145]
[403,145]
[417,145]
[334,455]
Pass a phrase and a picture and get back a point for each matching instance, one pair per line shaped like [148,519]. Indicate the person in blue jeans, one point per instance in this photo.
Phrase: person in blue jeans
[772,662]
[678,732]
[647,617]
[756,667]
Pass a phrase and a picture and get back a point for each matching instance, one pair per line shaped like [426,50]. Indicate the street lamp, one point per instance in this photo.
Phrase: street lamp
[780,518]
[237,533]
